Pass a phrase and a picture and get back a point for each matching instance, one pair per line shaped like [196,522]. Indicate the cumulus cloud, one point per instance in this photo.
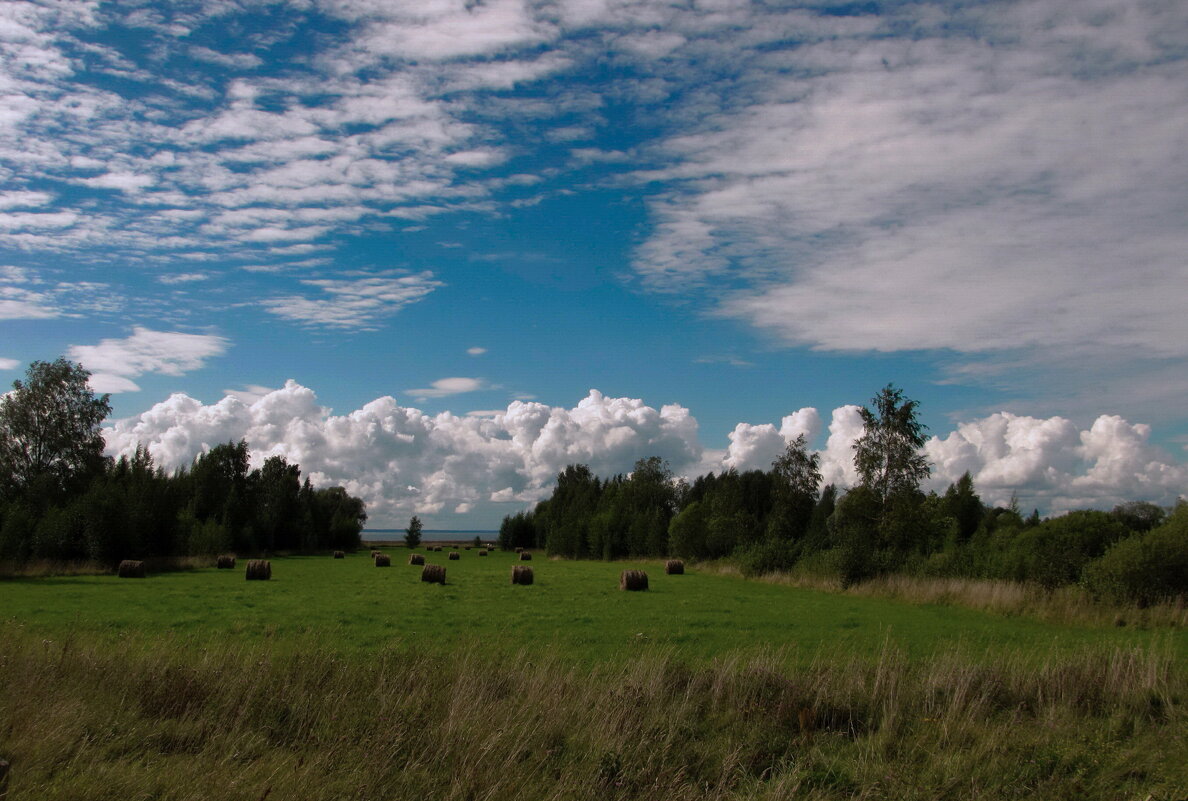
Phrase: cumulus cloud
[476,351]
[115,362]
[9,364]
[401,460]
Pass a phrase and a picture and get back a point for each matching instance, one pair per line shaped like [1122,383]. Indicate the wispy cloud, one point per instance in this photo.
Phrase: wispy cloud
[444,387]
[355,303]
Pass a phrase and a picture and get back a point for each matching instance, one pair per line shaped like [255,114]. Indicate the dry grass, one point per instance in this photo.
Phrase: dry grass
[434,574]
[634,580]
[522,574]
[259,570]
[160,719]
[1066,605]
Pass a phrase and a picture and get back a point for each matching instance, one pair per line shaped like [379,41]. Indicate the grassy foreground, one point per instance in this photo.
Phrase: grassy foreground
[338,680]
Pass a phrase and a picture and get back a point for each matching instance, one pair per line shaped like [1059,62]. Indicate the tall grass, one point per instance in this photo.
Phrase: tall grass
[1066,605]
[164,719]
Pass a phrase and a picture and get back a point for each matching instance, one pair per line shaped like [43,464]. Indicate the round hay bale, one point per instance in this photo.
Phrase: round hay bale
[455,556]
[482,553]
[521,574]
[130,568]
[674,567]
[225,562]
[259,570]
[339,555]
[383,560]
[467,548]
[519,550]
[416,559]
[633,580]
[374,553]
[434,574]
[525,556]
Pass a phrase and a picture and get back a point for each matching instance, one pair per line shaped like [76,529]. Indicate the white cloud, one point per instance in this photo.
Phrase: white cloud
[358,303]
[9,364]
[444,387]
[115,362]
[401,460]
[476,351]
[182,278]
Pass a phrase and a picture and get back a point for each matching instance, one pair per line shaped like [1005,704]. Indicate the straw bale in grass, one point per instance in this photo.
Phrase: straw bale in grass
[525,556]
[383,560]
[482,553]
[225,562]
[416,559]
[339,555]
[633,580]
[674,567]
[519,550]
[454,556]
[434,574]
[521,574]
[130,568]
[259,570]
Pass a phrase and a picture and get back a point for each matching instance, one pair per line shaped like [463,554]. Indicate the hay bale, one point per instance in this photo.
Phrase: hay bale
[339,555]
[633,580]
[383,560]
[416,559]
[375,553]
[482,553]
[521,574]
[467,548]
[259,570]
[130,568]
[674,567]
[434,574]
[455,556]
[519,550]
[225,562]
[525,556]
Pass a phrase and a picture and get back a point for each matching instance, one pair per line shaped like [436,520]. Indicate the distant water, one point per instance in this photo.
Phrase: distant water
[446,535]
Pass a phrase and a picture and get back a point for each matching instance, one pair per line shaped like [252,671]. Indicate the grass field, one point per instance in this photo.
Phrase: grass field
[574,608]
[337,679]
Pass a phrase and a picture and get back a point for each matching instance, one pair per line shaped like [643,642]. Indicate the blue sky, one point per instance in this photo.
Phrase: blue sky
[437,251]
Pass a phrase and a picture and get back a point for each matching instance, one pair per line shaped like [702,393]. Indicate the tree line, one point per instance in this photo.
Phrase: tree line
[783,518]
[62,499]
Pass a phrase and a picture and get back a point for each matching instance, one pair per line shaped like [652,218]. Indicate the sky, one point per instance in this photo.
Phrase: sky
[436,251]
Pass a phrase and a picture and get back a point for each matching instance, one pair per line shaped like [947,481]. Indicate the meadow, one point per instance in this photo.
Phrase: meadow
[337,679]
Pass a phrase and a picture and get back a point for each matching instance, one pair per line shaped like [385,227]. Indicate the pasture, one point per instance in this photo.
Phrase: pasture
[573,608]
[338,679]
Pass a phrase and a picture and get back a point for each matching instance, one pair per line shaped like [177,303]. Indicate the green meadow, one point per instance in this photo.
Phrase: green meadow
[340,680]
[574,608]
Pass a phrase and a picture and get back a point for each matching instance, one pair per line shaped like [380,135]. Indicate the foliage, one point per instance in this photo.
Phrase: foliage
[412,534]
[887,455]
[1144,568]
[50,437]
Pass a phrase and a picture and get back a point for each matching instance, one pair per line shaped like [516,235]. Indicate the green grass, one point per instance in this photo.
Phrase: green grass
[573,609]
[340,680]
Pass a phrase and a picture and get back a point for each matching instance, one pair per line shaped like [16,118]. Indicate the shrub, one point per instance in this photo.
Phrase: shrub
[769,556]
[1144,568]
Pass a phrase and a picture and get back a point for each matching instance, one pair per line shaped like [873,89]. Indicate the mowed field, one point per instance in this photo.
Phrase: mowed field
[574,608]
[340,680]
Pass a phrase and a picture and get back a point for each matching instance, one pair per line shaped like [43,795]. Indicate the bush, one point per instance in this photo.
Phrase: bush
[1144,568]
[769,556]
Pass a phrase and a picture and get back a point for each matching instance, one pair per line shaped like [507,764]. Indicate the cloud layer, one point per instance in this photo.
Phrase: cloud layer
[402,461]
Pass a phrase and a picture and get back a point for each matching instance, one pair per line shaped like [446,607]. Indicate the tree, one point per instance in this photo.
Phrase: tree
[50,433]
[412,534]
[797,475]
[887,455]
